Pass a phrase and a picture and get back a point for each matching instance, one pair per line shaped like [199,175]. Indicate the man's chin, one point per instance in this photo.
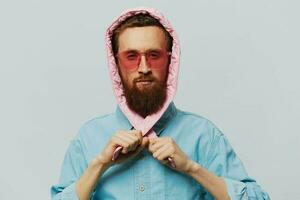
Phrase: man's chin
[145,99]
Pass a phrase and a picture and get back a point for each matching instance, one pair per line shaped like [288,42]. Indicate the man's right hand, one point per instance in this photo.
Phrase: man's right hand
[132,142]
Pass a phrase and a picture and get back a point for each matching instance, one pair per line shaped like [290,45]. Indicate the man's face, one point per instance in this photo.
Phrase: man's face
[145,84]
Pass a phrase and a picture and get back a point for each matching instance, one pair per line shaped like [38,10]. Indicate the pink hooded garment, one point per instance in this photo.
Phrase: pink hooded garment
[138,122]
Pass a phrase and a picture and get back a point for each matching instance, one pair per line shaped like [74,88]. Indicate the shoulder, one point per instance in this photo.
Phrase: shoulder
[98,121]
[96,126]
[94,134]
[199,124]
[195,118]
[191,116]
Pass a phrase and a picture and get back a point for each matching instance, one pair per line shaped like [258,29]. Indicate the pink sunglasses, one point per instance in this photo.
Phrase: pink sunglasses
[155,58]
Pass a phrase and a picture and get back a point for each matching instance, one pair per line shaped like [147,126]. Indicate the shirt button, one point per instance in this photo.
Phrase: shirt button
[142,188]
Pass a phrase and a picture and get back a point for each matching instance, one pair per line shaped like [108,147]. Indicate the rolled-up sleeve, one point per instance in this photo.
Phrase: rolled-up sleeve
[72,168]
[64,193]
[223,162]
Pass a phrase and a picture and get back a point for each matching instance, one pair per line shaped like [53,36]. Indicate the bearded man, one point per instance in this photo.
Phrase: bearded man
[149,149]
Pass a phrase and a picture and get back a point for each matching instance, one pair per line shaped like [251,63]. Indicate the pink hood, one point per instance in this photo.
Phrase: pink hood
[138,122]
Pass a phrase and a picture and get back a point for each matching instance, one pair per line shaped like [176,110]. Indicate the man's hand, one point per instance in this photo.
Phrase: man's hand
[164,147]
[132,142]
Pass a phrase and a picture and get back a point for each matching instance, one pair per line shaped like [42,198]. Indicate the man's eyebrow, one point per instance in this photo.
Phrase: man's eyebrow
[130,50]
[154,49]
[136,50]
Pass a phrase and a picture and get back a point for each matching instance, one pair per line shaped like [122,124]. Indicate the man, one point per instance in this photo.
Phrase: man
[148,149]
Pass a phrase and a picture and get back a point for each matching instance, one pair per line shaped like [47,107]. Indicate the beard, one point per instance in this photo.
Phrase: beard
[147,100]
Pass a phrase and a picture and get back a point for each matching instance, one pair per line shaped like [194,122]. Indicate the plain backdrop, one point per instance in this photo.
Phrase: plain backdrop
[239,68]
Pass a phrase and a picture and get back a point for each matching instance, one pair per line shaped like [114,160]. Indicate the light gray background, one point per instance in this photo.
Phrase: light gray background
[239,68]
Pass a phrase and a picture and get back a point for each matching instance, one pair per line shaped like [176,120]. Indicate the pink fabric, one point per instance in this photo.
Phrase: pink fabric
[138,122]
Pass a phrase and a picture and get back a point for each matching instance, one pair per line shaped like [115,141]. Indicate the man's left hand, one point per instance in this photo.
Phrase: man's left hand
[164,147]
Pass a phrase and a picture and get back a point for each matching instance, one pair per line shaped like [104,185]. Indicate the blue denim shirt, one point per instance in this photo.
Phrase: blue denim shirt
[143,177]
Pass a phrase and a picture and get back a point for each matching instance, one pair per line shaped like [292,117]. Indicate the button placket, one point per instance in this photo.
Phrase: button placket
[142,178]
[142,188]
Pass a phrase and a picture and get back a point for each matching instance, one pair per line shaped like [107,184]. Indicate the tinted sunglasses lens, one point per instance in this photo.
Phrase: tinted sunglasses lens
[129,60]
[157,59]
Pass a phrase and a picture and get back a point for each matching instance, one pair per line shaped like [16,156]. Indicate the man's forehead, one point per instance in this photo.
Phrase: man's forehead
[142,38]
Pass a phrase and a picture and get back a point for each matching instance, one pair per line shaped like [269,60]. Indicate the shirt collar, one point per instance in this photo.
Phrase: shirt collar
[159,125]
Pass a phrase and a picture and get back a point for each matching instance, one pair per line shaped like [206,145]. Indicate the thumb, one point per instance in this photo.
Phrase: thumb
[145,142]
[139,149]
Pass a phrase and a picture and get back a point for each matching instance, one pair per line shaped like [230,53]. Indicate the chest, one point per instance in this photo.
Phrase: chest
[145,178]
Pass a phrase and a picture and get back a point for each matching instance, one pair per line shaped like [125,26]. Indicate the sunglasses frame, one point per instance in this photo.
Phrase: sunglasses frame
[139,58]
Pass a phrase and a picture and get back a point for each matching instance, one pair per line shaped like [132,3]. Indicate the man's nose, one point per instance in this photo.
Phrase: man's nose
[143,65]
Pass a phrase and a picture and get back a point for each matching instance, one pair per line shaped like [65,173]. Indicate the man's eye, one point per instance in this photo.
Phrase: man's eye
[131,56]
[154,55]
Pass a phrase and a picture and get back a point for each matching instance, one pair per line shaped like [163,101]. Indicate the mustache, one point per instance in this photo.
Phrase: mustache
[143,78]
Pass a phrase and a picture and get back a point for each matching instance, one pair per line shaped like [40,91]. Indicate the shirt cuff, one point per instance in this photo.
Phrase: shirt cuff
[69,193]
[236,189]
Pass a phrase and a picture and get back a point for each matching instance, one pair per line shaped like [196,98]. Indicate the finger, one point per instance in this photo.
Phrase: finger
[135,143]
[156,145]
[157,154]
[120,141]
[131,138]
[158,140]
[138,150]
[152,140]
[117,140]
[165,154]
[133,134]
[164,161]
[145,142]
[138,134]
[137,139]
[130,135]
[126,137]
